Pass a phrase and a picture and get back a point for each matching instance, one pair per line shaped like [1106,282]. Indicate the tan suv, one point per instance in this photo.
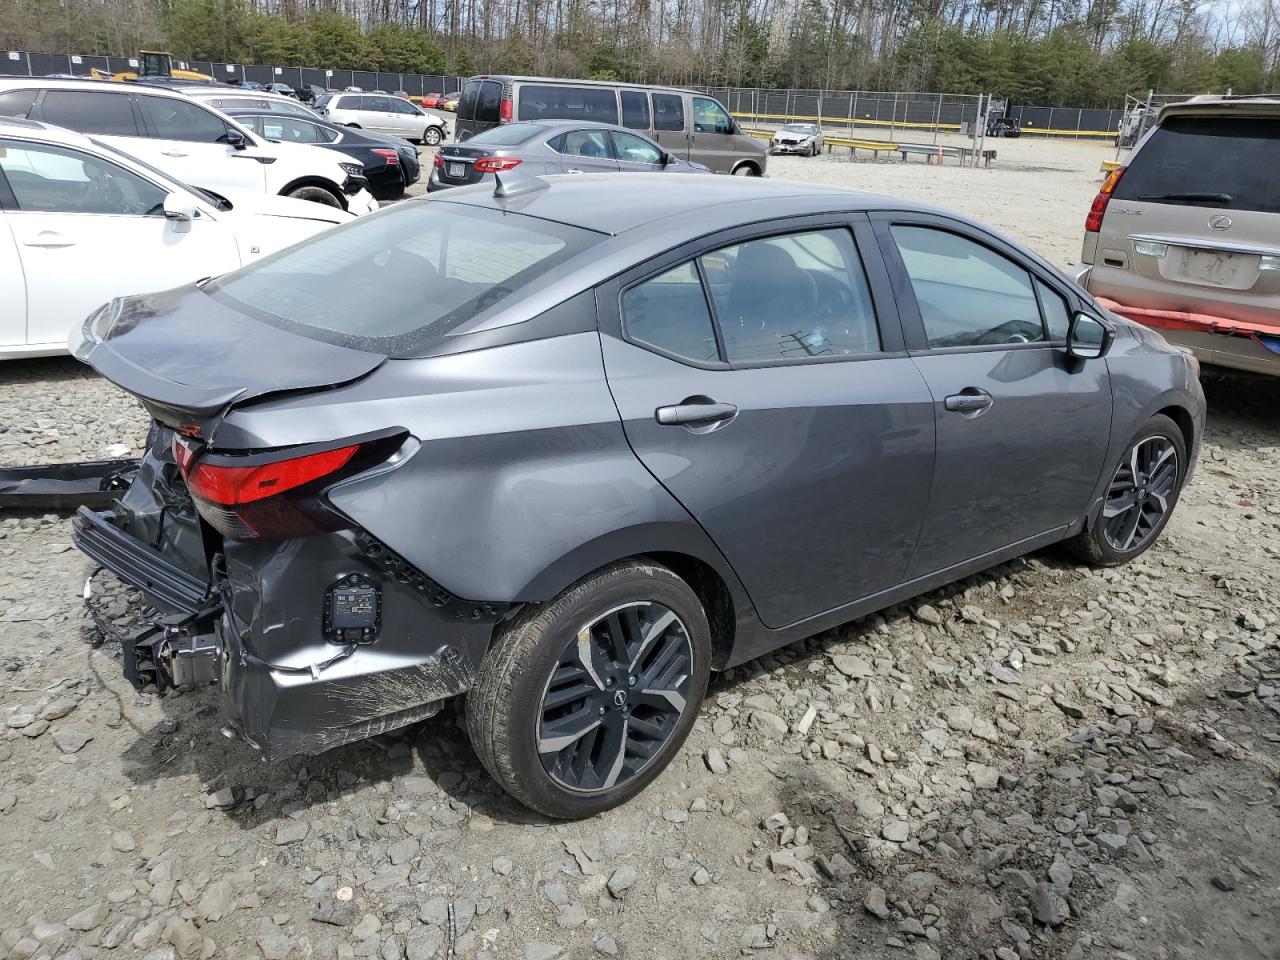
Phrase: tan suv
[1186,236]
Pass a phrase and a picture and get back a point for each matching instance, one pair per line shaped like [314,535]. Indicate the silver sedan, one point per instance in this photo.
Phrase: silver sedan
[552,146]
[804,139]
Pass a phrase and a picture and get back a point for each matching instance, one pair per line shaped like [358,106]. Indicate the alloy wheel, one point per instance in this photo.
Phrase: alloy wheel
[1138,498]
[614,697]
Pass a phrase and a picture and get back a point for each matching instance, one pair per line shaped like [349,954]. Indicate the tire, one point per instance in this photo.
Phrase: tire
[1127,534]
[431,136]
[534,750]
[746,170]
[315,195]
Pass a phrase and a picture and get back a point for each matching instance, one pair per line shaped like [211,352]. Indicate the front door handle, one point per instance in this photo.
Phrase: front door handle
[172,153]
[694,413]
[51,239]
[969,400]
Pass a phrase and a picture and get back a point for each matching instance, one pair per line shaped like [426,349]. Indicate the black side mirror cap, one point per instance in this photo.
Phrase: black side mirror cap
[1088,338]
[236,140]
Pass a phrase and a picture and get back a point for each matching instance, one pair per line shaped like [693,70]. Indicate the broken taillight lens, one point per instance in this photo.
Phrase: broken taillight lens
[273,496]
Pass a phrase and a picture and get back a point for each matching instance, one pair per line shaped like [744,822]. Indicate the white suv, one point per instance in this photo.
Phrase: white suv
[188,140]
[383,113]
[230,99]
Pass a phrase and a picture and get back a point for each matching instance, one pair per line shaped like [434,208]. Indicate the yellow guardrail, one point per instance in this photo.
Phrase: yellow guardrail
[859,144]
[867,122]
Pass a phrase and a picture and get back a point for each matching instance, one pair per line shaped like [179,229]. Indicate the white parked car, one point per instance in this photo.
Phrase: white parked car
[383,113]
[231,99]
[188,140]
[82,222]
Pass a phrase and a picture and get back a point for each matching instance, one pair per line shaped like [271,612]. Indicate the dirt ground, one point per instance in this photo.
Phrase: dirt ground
[1043,761]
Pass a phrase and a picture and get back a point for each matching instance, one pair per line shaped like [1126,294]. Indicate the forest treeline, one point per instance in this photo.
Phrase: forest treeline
[1047,52]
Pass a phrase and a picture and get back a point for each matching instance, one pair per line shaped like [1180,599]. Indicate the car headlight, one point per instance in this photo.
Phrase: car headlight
[96,328]
[353,169]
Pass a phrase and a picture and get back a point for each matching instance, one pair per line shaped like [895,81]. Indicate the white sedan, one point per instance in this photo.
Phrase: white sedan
[82,222]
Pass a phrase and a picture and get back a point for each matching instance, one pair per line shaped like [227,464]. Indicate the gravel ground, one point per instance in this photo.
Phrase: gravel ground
[1043,761]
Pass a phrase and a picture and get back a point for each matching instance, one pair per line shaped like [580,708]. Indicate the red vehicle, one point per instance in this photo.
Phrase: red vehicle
[432,99]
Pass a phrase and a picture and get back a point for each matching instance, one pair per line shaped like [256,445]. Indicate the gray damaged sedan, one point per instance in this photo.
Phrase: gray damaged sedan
[563,450]
[544,147]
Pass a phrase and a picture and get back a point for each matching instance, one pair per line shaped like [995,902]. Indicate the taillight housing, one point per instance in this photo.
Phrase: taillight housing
[504,110]
[1093,222]
[437,161]
[497,164]
[388,155]
[274,495]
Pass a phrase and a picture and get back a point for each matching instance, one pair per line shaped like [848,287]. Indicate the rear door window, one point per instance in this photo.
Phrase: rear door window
[489,102]
[545,102]
[668,111]
[635,109]
[16,103]
[107,114]
[467,103]
[583,143]
[1227,163]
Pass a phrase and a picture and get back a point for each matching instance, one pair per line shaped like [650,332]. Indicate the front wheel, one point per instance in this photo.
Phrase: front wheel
[1140,498]
[316,195]
[581,702]
[746,170]
[431,136]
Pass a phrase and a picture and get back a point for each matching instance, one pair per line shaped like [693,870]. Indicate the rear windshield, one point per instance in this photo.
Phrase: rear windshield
[509,136]
[1224,162]
[568,103]
[397,281]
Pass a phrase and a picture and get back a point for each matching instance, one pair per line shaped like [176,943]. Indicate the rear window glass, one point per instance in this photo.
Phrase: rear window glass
[1221,162]
[395,282]
[467,102]
[489,102]
[539,102]
[508,136]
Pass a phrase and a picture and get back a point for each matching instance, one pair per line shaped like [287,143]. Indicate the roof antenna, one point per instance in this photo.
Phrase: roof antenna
[517,187]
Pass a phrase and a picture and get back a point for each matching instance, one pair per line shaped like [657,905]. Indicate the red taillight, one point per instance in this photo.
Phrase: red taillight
[231,486]
[504,110]
[388,155]
[243,501]
[438,161]
[497,164]
[1093,222]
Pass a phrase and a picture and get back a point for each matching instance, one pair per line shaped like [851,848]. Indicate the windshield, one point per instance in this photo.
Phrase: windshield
[218,203]
[508,136]
[800,128]
[1223,162]
[396,281]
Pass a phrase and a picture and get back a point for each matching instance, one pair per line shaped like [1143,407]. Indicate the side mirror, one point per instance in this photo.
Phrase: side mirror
[667,159]
[1088,338]
[236,140]
[180,211]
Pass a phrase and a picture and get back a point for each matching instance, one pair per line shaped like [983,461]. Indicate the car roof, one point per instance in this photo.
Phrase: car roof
[614,204]
[60,83]
[584,83]
[1255,105]
[35,130]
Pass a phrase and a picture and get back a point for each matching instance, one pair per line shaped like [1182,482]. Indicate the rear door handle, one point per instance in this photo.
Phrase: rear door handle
[172,153]
[970,400]
[51,239]
[694,414]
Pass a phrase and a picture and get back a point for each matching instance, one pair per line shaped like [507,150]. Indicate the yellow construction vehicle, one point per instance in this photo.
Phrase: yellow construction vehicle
[152,63]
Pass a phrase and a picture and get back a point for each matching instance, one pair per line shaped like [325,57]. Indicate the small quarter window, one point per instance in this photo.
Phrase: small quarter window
[1056,315]
[670,312]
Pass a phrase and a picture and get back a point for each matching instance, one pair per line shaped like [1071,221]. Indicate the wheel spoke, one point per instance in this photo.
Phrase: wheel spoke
[1130,528]
[652,633]
[668,697]
[566,731]
[613,752]
[590,657]
[1119,505]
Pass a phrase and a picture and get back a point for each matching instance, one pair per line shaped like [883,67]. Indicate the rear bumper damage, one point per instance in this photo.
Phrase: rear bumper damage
[312,643]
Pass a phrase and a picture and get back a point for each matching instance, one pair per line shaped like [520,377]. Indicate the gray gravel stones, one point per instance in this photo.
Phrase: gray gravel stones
[715,762]
[291,831]
[622,880]
[876,903]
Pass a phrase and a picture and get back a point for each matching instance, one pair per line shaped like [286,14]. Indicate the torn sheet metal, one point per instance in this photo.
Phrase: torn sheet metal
[65,486]
[1267,335]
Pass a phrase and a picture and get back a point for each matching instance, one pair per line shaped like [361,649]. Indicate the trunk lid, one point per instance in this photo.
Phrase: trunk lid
[459,163]
[190,358]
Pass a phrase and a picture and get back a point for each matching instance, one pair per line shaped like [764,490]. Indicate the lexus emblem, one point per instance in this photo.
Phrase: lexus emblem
[1220,222]
[619,698]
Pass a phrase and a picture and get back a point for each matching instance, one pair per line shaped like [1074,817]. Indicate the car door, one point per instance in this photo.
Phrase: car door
[190,142]
[761,379]
[636,154]
[669,127]
[88,230]
[410,122]
[376,114]
[1022,429]
[584,151]
[13,285]
[712,140]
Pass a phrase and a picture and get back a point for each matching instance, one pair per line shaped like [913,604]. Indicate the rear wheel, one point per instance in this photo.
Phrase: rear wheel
[431,136]
[1140,498]
[315,195]
[581,702]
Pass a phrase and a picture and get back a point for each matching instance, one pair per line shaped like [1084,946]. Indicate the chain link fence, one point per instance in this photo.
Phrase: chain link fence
[876,114]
